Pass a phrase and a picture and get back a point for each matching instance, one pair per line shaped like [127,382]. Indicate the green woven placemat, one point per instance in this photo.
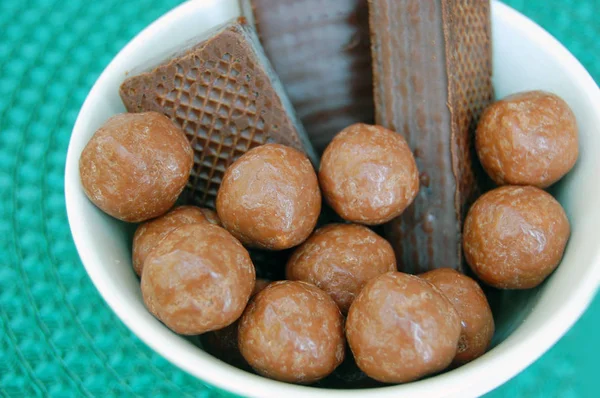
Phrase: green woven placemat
[58,338]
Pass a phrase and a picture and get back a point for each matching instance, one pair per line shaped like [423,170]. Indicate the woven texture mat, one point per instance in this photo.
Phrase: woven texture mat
[58,337]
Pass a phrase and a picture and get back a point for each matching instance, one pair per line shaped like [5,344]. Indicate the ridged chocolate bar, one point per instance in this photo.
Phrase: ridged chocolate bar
[224,94]
[432,73]
[320,50]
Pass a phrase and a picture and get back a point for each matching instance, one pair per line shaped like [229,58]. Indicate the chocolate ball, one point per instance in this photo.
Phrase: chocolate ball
[473,309]
[149,234]
[292,331]
[199,278]
[401,328]
[269,198]
[514,237]
[340,259]
[259,286]
[528,138]
[368,174]
[136,165]
[223,343]
[211,216]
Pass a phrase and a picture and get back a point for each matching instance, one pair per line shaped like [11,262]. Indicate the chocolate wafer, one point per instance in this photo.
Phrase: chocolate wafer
[432,78]
[224,95]
[320,50]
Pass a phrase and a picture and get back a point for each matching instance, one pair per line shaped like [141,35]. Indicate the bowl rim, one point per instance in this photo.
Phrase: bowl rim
[479,381]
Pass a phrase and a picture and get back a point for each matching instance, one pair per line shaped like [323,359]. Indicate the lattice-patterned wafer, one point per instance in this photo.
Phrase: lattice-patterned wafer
[432,78]
[224,94]
[320,50]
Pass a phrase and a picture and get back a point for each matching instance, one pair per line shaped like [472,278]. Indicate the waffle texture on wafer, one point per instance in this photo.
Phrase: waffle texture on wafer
[224,95]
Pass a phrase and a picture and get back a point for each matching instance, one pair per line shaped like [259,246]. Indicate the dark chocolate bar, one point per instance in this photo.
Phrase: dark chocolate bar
[224,94]
[432,73]
[320,50]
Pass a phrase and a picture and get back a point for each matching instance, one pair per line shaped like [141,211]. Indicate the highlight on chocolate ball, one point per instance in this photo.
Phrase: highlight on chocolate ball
[326,245]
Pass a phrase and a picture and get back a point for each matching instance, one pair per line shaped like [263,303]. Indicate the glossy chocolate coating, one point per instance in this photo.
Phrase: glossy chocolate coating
[320,50]
[292,331]
[199,278]
[528,138]
[269,198]
[149,234]
[135,166]
[223,343]
[432,76]
[211,216]
[340,259]
[515,236]
[368,174]
[473,309]
[401,328]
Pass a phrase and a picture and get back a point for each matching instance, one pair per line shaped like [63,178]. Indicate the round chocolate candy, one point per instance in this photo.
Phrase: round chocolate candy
[223,343]
[292,331]
[269,198]
[151,233]
[136,165]
[473,309]
[514,236]
[211,216]
[340,259]
[528,138]
[368,174]
[401,328]
[199,278]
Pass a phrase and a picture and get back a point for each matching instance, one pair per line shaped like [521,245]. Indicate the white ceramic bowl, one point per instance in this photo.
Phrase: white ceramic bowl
[528,323]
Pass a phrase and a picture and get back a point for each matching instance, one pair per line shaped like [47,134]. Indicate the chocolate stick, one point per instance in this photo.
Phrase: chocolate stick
[432,79]
[320,50]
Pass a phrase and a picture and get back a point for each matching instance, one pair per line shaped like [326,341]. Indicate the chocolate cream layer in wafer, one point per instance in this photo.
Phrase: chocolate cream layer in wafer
[320,50]
[224,94]
[432,72]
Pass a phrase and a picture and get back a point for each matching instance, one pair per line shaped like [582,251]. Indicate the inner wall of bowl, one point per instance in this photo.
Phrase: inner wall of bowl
[520,63]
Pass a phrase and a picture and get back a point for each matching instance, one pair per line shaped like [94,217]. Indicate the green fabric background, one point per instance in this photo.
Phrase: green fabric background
[58,337]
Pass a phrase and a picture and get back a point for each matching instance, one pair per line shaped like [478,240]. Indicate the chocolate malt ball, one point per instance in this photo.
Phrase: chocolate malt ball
[292,331]
[368,174]
[269,198]
[149,234]
[211,216]
[528,138]
[514,236]
[340,259]
[223,343]
[473,309]
[401,328]
[136,165]
[199,278]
